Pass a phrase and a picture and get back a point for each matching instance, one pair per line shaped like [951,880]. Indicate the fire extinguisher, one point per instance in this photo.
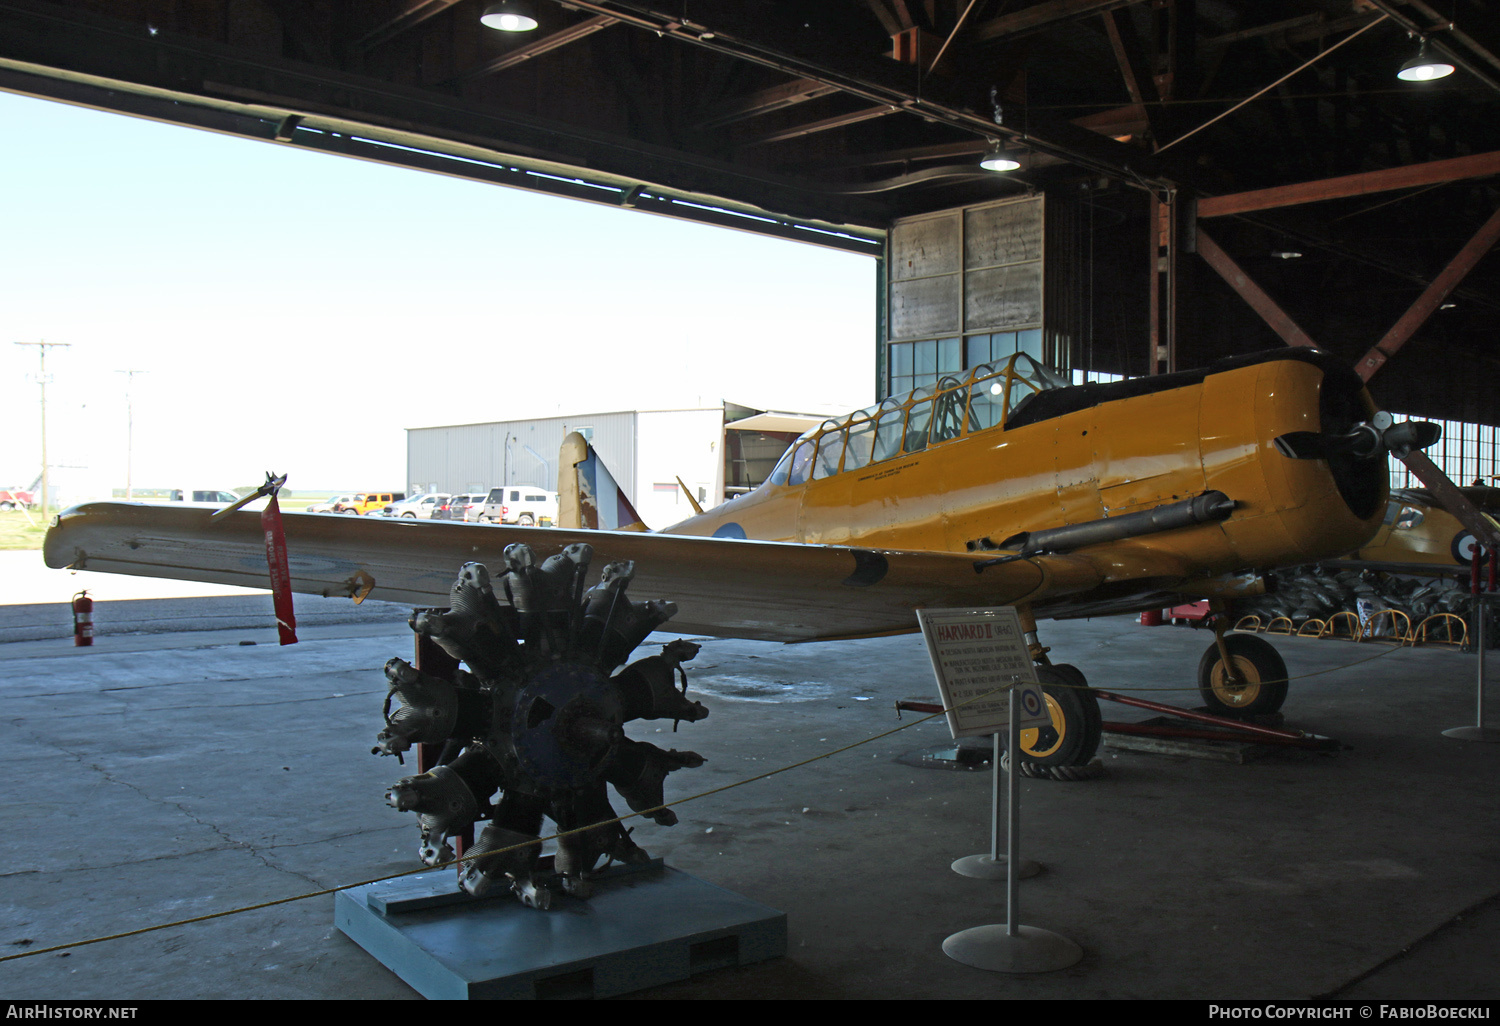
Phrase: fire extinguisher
[83,619]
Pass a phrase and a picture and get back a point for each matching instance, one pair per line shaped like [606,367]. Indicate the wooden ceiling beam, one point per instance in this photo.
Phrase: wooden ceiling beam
[1277,319]
[537,47]
[1431,173]
[1043,15]
[409,18]
[778,97]
[884,15]
[825,125]
[1130,56]
[1431,298]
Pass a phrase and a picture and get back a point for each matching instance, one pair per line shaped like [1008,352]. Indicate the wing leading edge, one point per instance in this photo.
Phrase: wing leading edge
[775,591]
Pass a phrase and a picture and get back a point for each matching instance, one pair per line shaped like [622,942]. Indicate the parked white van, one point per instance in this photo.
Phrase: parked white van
[201,495]
[523,505]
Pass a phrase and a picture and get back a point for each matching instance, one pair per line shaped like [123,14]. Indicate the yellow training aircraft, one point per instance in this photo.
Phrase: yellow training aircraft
[1418,536]
[1005,486]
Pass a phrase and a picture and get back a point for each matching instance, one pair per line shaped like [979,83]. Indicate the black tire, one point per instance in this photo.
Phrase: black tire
[7,506]
[409,515]
[1076,727]
[1257,663]
[525,520]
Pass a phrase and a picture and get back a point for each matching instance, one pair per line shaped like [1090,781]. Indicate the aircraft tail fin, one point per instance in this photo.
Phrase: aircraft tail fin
[588,496]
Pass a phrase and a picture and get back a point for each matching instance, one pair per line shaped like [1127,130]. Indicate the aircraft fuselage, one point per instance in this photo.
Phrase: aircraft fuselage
[1088,453]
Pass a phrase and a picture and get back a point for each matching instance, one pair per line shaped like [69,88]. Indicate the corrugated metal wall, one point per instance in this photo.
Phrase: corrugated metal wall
[476,457]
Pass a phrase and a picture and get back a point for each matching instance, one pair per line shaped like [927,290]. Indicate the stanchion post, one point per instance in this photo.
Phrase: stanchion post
[1482,591]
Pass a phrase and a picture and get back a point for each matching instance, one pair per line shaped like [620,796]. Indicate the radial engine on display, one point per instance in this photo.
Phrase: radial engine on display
[534,727]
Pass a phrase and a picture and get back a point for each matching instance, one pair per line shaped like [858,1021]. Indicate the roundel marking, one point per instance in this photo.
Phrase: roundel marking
[1465,545]
[1031,703]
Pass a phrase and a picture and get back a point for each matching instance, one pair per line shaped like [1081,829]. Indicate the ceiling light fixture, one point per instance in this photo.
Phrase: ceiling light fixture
[997,160]
[510,16]
[1424,68]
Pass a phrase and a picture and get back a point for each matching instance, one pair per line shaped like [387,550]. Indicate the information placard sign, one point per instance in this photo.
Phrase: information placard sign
[981,652]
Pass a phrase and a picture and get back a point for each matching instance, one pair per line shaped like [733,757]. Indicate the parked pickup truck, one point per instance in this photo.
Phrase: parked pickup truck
[16,498]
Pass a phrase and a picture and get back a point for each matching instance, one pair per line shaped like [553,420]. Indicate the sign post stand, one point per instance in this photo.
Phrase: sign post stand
[975,653]
[1483,590]
[992,865]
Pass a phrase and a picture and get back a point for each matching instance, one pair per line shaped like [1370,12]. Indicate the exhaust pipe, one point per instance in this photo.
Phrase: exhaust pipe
[1205,508]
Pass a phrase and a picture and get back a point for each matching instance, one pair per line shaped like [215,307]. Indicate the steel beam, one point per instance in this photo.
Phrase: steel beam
[1431,298]
[1431,173]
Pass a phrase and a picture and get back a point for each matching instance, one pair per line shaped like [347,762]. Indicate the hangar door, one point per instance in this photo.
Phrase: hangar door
[973,285]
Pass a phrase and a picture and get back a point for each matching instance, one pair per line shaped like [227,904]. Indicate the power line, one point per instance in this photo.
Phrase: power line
[42,348]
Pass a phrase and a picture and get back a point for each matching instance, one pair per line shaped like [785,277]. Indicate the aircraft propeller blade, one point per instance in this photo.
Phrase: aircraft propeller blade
[1378,435]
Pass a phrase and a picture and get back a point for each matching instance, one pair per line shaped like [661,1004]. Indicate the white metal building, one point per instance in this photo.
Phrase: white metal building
[646,450]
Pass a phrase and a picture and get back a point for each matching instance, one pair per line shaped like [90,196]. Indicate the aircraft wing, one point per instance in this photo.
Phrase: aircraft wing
[722,587]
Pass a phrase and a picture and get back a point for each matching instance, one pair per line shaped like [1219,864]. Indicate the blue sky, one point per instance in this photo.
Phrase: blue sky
[296,311]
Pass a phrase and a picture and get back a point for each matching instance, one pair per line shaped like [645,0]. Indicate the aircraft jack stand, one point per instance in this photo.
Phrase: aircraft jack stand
[643,927]
[1223,729]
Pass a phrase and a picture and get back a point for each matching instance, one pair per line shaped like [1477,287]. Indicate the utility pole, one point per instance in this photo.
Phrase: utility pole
[42,348]
[129,427]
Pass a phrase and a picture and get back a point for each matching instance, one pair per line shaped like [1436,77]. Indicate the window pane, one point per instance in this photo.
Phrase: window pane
[948,413]
[900,358]
[924,358]
[888,434]
[801,462]
[916,426]
[1030,342]
[985,403]
[857,449]
[977,350]
[950,355]
[830,446]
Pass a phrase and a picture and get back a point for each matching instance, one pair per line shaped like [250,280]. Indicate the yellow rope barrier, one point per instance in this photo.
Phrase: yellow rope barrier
[618,819]
[494,851]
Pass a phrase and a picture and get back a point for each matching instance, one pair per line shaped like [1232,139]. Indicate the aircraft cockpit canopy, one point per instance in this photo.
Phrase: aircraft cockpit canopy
[958,405]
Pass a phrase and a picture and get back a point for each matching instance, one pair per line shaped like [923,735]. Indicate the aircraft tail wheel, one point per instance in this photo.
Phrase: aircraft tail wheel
[1259,668]
[1073,737]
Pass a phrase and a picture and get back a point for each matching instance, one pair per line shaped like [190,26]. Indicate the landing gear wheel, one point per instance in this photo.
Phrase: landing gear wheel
[1073,737]
[1261,672]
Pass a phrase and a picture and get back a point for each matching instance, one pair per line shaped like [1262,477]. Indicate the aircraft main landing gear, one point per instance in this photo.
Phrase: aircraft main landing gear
[1242,675]
[1073,736]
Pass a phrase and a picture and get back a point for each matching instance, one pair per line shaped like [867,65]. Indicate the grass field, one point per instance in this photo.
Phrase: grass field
[17,533]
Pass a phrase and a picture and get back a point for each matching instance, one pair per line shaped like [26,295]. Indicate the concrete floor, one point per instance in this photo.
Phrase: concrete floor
[161,776]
